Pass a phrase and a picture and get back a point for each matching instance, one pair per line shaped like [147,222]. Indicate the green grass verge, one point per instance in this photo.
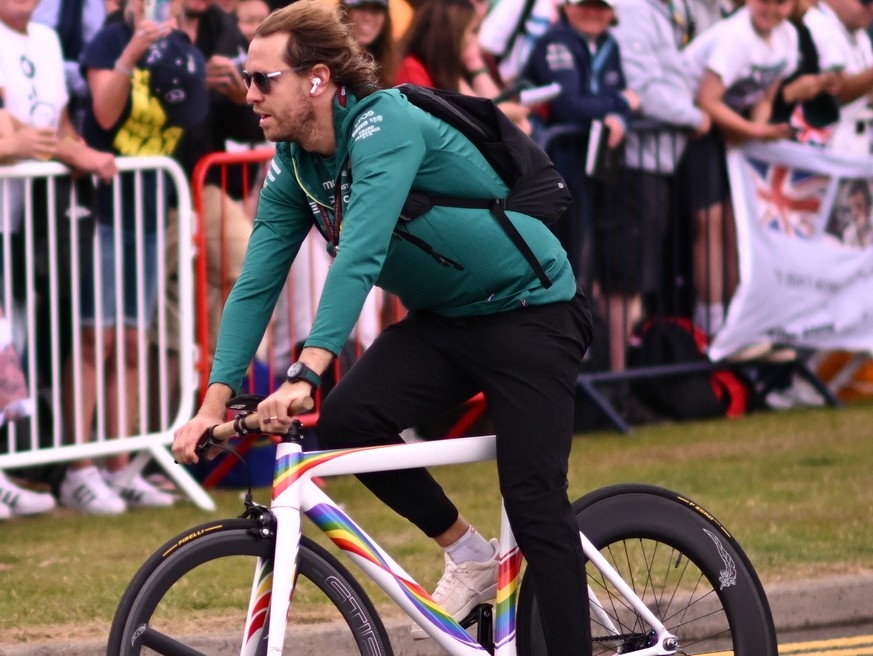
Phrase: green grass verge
[795,487]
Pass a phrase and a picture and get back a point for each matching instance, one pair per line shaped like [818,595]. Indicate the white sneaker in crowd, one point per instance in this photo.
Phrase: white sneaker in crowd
[138,493]
[86,491]
[462,587]
[20,501]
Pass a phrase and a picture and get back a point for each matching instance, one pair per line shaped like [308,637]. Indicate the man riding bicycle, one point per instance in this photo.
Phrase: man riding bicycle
[480,319]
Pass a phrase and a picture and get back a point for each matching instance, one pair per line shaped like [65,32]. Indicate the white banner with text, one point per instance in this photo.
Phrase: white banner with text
[805,242]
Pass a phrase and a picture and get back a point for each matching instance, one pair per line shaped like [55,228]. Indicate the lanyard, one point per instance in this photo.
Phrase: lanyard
[331,218]
[333,221]
[684,21]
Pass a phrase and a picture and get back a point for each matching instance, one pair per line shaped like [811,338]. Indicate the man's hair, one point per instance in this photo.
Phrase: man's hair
[318,35]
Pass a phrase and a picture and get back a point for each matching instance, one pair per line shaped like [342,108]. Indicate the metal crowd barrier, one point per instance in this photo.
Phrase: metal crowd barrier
[224,188]
[49,252]
[656,149]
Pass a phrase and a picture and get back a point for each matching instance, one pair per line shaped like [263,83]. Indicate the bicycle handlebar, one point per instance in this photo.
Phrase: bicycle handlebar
[251,422]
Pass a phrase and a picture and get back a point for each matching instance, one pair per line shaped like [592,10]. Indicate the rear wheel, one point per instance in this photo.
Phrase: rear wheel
[683,564]
[212,566]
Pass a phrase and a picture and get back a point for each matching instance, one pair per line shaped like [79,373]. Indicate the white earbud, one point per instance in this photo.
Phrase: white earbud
[315,84]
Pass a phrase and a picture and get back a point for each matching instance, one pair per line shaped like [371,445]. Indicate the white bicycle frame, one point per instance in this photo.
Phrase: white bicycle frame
[294,492]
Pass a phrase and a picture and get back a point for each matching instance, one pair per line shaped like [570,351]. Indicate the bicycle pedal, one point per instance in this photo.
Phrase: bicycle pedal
[483,616]
[476,615]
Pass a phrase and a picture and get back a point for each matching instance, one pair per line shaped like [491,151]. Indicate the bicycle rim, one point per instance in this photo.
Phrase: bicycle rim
[684,566]
[192,595]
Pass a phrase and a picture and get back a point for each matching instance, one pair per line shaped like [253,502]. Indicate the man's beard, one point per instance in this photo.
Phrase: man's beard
[302,130]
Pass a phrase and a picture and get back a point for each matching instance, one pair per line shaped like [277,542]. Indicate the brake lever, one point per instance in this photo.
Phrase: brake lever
[205,442]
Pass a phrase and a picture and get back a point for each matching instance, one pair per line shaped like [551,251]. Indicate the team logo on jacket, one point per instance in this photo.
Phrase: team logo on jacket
[367,124]
[559,57]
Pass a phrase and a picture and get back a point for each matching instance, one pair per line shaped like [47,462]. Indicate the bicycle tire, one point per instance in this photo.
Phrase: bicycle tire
[685,566]
[212,555]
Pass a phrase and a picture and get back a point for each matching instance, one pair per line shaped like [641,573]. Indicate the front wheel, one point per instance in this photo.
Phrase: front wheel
[212,566]
[682,563]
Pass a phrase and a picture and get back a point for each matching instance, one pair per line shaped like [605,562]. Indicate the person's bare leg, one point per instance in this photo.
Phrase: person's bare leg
[715,264]
[123,424]
[454,533]
[87,386]
[622,312]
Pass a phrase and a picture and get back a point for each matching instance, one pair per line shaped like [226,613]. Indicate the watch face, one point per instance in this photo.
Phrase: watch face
[294,369]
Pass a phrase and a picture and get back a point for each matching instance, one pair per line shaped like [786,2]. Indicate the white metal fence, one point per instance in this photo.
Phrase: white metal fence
[138,378]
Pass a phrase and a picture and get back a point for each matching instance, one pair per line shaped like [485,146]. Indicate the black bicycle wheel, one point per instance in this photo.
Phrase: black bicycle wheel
[160,612]
[684,565]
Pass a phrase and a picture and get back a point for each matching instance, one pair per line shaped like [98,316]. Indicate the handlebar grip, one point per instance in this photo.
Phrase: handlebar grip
[252,421]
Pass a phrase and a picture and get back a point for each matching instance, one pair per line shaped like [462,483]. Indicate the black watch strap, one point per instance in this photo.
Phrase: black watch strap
[299,371]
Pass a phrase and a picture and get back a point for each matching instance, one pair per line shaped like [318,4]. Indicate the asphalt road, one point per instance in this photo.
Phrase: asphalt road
[826,617]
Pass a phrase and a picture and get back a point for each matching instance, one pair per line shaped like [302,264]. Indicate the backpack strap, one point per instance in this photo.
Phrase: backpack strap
[419,202]
[427,248]
[498,210]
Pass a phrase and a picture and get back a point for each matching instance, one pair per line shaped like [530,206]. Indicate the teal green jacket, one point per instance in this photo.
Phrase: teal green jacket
[385,146]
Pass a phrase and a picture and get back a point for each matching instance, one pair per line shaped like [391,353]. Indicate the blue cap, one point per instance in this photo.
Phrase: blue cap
[177,77]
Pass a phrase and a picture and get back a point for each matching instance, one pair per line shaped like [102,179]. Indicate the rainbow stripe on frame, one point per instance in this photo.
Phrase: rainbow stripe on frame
[290,468]
[508,576]
[340,529]
[263,594]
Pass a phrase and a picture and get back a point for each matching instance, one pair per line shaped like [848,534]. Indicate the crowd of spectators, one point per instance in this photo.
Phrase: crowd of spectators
[85,81]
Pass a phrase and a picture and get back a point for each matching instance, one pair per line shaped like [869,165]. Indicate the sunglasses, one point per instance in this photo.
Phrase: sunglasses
[263,81]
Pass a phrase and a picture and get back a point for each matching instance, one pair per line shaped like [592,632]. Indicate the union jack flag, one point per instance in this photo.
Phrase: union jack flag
[789,199]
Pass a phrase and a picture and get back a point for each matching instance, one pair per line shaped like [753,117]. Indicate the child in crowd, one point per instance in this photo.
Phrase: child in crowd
[580,54]
[736,67]
[839,30]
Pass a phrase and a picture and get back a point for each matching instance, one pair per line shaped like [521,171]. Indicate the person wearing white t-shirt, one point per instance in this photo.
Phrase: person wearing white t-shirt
[736,67]
[510,29]
[838,29]
[34,88]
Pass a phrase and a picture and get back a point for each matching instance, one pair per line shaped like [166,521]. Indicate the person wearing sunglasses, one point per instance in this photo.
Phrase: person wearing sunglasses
[347,156]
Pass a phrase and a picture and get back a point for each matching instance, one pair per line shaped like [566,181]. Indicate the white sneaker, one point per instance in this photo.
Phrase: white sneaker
[21,501]
[138,493]
[462,587]
[86,491]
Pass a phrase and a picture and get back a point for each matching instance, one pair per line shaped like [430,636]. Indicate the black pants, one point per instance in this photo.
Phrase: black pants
[526,363]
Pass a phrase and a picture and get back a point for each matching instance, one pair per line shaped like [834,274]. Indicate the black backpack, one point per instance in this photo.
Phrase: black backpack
[535,186]
[665,341]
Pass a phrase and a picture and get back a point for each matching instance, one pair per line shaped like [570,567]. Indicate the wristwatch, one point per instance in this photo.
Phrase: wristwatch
[299,371]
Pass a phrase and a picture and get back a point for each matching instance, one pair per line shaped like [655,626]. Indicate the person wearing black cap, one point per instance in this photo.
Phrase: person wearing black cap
[147,84]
